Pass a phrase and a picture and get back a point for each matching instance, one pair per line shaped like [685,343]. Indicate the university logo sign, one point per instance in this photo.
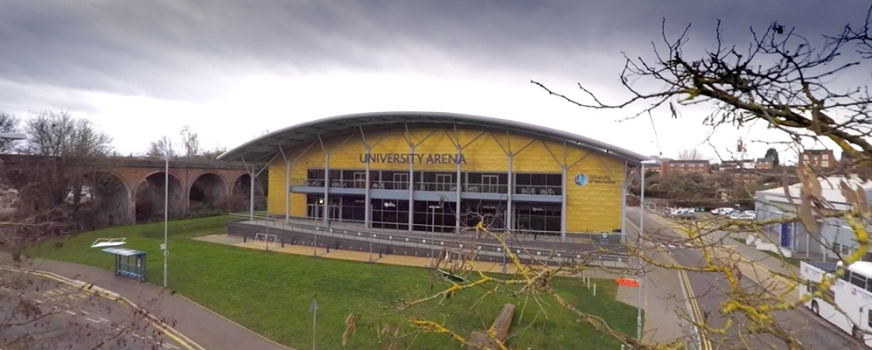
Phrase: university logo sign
[580,179]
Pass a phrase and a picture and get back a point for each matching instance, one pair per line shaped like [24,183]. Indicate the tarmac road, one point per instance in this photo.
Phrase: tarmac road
[59,316]
[709,289]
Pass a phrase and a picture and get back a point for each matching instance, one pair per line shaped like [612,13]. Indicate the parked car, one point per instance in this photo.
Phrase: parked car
[687,214]
[746,216]
[683,213]
[722,211]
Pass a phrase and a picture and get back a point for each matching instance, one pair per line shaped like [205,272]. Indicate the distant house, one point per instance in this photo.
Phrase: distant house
[819,158]
[759,163]
[776,203]
[684,166]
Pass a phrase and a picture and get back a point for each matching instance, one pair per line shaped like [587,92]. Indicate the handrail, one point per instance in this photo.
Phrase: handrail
[424,241]
[446,228]
[430,186]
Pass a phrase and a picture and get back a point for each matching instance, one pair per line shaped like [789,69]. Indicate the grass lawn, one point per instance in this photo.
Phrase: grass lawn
[270,293]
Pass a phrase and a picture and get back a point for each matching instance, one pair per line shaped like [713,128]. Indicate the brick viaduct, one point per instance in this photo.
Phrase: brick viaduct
[139,183]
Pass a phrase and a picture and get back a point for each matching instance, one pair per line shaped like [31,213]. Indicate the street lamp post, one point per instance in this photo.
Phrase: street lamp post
[639,247]
[166,213]
[432,230]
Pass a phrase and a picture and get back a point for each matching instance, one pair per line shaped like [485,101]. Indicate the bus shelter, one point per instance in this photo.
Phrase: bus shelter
[129,263]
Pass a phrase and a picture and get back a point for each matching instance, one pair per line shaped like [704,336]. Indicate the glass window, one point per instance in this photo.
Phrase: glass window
[869,318]
[538,179]
[847,275]
[473,178]
[429,177]
[858,280]
[554,180]
[315,174]
[522,179]
[537,218]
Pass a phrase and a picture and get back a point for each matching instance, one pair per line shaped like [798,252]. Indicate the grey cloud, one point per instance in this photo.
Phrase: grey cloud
[175,49]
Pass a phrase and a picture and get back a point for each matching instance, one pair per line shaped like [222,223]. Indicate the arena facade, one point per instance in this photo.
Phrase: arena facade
[428,171]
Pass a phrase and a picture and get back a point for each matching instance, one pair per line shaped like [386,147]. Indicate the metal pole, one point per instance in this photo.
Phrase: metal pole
[166,212]
[504,261]
[251,193]
[371,234]
[563,204]
[624,205]
[639,247]
[432,232]
[287,191]
[314,323]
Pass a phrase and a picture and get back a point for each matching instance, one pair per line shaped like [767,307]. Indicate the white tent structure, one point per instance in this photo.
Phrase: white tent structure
[781,202]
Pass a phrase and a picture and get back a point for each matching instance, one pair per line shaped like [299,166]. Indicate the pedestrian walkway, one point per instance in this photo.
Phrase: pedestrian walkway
[206,328]
[664,315]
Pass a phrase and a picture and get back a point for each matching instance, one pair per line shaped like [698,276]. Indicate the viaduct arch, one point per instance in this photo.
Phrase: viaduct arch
[129,190]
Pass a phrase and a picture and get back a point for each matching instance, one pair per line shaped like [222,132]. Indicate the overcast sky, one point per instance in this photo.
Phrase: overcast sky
[232,69]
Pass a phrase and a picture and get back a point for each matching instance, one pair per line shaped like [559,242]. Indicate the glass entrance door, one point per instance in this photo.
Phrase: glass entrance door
[443,182]
[401,181]
[490,184]
[359,179]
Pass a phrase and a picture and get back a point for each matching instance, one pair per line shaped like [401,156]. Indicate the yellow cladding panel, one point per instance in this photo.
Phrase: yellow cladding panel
[534,156]
[594,206]
[298,204]
[483,151]
[276,180]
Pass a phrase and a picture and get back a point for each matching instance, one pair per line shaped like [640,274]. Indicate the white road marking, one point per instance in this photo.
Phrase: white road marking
[92,320]
[85,312]
[70,312]
[38,301]
[103,319]
[168,345]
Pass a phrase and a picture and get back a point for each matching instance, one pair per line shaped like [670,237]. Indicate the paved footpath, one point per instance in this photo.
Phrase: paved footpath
[206,328]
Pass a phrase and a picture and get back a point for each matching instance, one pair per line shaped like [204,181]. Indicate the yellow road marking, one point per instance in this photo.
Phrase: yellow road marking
[166,330]
[691,297]
[697,315]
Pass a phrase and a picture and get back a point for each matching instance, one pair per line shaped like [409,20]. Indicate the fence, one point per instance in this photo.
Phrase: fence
[424,244]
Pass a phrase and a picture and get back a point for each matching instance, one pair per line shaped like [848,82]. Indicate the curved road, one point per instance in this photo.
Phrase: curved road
[709,289]
[59,316]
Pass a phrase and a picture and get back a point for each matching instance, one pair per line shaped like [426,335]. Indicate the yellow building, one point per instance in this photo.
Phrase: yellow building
[426,171]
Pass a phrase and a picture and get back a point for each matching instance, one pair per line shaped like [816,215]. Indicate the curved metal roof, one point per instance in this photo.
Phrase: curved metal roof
[264,148]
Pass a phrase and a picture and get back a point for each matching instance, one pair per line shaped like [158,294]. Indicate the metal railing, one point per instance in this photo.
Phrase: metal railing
[490,221]
[434,241]
[538,190]
[426,186]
